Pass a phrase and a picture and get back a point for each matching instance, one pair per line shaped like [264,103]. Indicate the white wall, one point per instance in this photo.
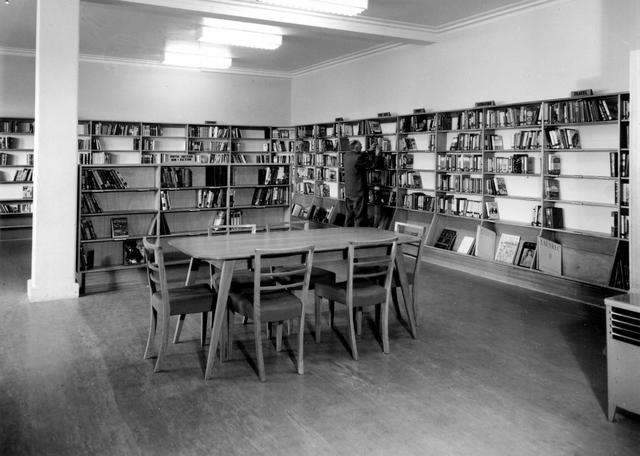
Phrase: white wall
[143,93]
[542,53]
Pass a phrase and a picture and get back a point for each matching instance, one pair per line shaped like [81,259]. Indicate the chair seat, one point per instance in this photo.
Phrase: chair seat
[365,292]
[185,300]
[277,306]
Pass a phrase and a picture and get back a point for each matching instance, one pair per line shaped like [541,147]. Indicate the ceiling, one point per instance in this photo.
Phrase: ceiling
[135,31]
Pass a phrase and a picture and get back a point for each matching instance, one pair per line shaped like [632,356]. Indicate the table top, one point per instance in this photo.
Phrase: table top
[243,245]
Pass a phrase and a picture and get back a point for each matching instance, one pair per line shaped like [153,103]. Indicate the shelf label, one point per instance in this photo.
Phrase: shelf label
[384,114]
[419,111]
[582,93]
[211,122]
[339,119]
[482,104]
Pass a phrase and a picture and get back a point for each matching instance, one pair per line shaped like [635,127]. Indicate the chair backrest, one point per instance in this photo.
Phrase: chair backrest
[371,260]
[288,226]
[230,229]
[269,278]
[156,274]
[421,233]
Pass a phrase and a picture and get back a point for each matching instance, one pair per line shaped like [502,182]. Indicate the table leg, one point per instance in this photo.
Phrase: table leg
[219,315]
[406,291]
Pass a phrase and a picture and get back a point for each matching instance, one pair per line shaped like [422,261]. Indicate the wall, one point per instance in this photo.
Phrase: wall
[542,53]
[143,93]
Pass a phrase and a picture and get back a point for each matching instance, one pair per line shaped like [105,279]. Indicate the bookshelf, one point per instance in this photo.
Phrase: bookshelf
[16,177]
[170,179]
[549,170]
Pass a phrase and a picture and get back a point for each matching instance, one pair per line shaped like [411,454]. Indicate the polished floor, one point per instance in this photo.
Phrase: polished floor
[496,370]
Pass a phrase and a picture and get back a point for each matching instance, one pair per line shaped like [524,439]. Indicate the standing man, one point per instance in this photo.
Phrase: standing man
[356,192]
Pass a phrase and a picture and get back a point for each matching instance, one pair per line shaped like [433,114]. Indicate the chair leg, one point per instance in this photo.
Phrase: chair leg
[164,341]
[194,265]
[352,332]
[257,330]
[301,343]
[279,336]
[318,315]
[414,293]
[385,325]
[332,312]
[229,317]
[396,303]
[148,351]
[176,336]
[358,312]
[203,328]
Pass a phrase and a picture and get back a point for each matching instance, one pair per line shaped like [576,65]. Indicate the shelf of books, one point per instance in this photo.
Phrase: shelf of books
[534,192]
[169,180]
[16,177]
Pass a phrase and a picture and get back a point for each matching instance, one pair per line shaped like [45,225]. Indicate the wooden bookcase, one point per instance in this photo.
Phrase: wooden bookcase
[16,177]
[167,180]
[552,169]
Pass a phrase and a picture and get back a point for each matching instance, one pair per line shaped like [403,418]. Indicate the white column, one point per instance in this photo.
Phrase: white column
[55,182]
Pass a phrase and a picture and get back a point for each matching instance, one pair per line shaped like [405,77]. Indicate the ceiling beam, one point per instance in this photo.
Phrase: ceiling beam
[390,30]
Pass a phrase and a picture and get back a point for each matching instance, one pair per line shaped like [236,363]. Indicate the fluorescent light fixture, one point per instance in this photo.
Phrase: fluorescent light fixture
[196,55]
[344,7]
[234,33]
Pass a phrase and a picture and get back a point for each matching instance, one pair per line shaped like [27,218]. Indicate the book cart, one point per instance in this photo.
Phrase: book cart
[548,175]
[165,180]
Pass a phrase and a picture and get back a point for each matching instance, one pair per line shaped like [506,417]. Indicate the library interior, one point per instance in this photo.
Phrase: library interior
[160,159]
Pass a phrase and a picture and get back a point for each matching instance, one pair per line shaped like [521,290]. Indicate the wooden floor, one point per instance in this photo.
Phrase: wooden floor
[496,370]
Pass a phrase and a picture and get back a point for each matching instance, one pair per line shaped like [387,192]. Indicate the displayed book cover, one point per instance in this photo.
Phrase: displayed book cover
[446,240]
[549,256]
[527,254]
[507,248]
[132,252]
[501,186]
[492,210]
[554,164]
[119,227]
[485,242]
[552,189]
[466,245]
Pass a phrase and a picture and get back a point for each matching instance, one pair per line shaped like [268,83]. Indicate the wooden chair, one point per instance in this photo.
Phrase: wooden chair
[421,233]
[168,302]
[369,279]
[270,297]
[240,278]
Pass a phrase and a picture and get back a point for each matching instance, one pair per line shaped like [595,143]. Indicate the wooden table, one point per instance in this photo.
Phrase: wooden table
[225,251]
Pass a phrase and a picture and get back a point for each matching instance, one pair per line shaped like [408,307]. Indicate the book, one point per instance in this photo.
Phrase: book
[500,186]
[485,242]
[554,164]
[552,189]
[119,227]
[507,248]
[527,254]
[446,240]
[492,210]
[466,245]
[549,256]
[132,252]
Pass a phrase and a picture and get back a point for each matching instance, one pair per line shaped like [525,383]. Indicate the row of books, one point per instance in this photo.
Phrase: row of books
[384,197]
[176,177]
[620,227]
[462,120]
[513,116]
[465,141]
[329,160]
[418,201]
[23,175]
[89,204]
[273,175]
[116,129]
[516,164]
[283,146]
[416,123]
[575,111]
[8,142]
[16,126]
[624,164]
[410,143]
[458,183]
[214,131]
[15,208]
[102,179]
[268,196]
[527,140]
[384,144]
[563,138]
[449,204]
[86,230]
[207,146]
[460,162]
[388,178]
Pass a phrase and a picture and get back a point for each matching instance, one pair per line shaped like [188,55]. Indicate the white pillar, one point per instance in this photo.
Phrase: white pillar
[53,255]
[634,173]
